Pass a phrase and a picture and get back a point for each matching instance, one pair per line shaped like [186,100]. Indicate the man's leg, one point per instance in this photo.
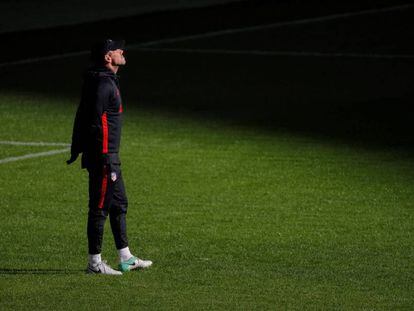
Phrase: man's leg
[117,215]
[98,208]
[118,209]
[100,192]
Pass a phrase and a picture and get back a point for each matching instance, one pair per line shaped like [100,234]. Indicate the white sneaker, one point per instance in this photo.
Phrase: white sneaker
[102,268]
[134,263]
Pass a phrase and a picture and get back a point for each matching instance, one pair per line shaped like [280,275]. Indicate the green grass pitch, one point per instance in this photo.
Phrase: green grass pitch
[233,218]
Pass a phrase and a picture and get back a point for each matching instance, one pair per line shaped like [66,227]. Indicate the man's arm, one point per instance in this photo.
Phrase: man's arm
[100,118]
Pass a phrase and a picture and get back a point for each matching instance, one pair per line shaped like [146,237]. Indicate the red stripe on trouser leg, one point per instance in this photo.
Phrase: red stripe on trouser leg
[103,188]
[104,133]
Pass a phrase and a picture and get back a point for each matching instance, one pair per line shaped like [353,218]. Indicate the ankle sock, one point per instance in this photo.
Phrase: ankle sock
[124,253]
[94,259]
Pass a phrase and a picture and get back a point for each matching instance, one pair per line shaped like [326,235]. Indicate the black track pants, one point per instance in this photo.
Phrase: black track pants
[106,196]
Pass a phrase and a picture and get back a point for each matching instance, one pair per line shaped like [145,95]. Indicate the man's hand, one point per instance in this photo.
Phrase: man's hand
[73,158]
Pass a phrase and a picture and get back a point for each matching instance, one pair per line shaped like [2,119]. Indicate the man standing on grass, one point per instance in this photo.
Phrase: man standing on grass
[97,134]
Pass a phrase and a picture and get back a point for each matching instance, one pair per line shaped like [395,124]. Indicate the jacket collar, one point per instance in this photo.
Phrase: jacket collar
[101,71]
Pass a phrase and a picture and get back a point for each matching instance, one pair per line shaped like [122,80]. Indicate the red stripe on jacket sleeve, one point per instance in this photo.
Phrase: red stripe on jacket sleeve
[104,133]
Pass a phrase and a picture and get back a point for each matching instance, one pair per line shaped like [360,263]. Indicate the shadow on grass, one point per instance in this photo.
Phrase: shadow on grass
[365,101]
[351,101]
[40,271]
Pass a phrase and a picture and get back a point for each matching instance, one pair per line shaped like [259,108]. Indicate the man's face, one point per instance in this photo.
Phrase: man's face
[116,57]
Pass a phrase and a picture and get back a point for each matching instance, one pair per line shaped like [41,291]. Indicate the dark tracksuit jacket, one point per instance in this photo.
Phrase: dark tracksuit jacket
[97,135]
[97,128]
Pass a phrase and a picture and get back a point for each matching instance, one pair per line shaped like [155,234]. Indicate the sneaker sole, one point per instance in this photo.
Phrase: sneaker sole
[90,271]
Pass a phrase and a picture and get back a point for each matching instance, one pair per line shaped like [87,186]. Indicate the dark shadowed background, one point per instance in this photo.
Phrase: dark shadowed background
[339,70]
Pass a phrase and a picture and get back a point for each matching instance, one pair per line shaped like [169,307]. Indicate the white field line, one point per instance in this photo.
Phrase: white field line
[22,143]
[278,53]
[33,155]
[221,32]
